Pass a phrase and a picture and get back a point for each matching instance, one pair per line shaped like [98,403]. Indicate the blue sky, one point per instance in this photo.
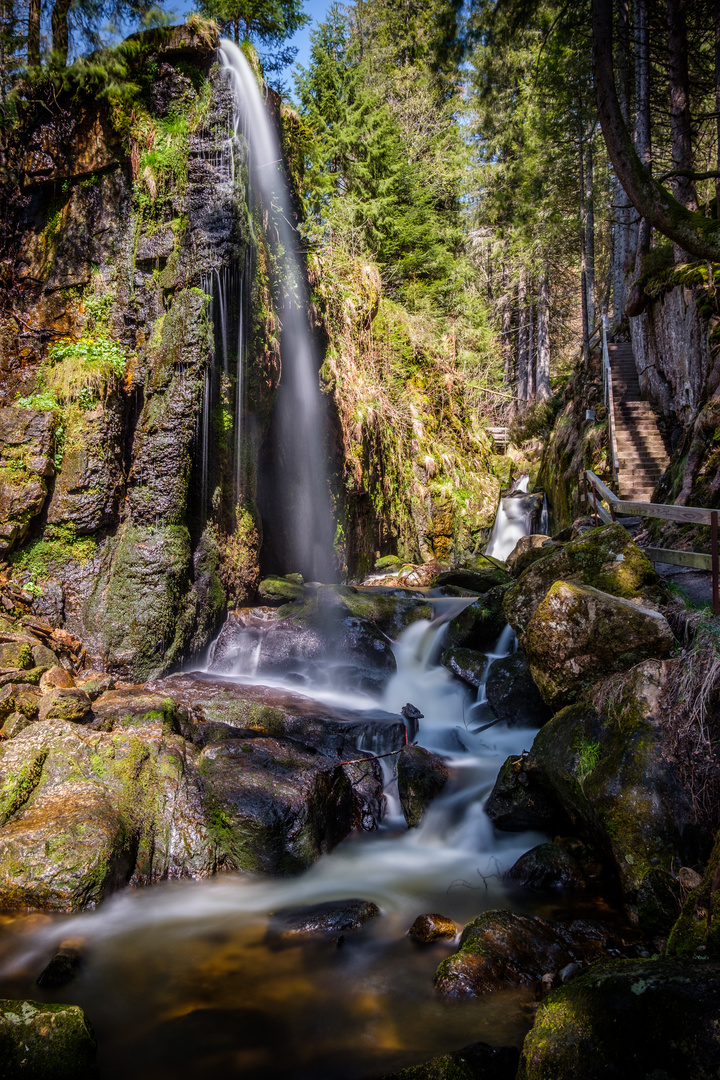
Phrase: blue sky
[316,9]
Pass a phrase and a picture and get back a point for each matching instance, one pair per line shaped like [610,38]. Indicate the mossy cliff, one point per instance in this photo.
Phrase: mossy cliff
[120,504]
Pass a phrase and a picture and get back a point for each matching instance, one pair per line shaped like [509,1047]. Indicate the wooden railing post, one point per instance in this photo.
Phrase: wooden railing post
[595,504]
[715,567]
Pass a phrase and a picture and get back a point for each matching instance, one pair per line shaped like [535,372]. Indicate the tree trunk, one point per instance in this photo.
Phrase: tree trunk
[236,28]
[522,344]
[506,324]
[692,231]
[60,34]
[583,251]
[531,352]
[624,218]
[542,370]
[33,34]
[680,125]
[590,235]
[717,99]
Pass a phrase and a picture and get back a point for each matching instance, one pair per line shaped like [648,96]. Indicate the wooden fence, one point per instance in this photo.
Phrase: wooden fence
[695,515]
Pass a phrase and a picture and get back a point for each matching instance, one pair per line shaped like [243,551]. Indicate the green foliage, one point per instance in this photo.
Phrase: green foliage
[59,544]
[587,759]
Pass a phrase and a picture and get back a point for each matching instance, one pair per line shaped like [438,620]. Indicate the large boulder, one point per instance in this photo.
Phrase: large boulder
[610,767]
[513,695]
[517,803]
[697,930]
[628,1018]
[485,576]
[421,778]
[480,624]
[604,558]
[501,949]
[39,1041]
[578,634]
[303,640]
[274,806]
[468,664]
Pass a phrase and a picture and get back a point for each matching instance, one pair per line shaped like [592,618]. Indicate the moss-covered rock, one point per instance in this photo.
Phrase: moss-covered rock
[605,559]
[608,769]
[14,654]
[480,579]
[468,664]
[578,634]
[38,1039]
[623,1018]
[697,929]
[65,703]
[421,778]
[475,1062]
[501,949]
[480,624]
[278,590]
[27,444]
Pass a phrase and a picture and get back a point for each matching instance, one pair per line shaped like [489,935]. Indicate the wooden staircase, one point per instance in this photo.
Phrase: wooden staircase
[642,457]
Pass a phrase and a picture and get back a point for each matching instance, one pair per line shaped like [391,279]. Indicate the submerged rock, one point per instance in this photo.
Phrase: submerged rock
[429,928]
[294,925]
[501,949]
[52,1042]
[605,559]
[578,634]
[623,1018]
[513,695]
[479,1061]
[421,778]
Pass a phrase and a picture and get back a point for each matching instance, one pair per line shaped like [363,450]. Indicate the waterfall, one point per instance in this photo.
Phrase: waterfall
[514,519]
[294,499]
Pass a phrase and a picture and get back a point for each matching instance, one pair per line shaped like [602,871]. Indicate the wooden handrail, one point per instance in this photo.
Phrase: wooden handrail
[609,403]
[696,515]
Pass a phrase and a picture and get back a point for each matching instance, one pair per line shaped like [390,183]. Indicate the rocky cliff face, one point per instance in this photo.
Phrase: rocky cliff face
[115,228]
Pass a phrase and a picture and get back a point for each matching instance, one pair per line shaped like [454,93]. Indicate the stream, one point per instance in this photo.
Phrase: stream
[180,978]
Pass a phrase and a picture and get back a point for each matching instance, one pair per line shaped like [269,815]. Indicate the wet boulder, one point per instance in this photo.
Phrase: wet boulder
[513,695]
[55,678]
[422,776]
[547,866]
[293,926]
[609,769]
[479,1061]
[639,1018]
[42,1040]
[605,559]
[428,928]
[274,805]
[468,664]
[312,641]
[517,803]
[27,446]
[275,591]
[501,949]
[16,654]
[479,580]
[480,624]
[696,931]
[578,634]
[391,611]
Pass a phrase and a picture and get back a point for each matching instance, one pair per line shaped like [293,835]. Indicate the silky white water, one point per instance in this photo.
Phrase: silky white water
[296,504]
[512,521]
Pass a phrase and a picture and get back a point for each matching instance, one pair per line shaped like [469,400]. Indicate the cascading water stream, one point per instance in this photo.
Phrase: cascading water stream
[514,519]
[295,502]
[198,949]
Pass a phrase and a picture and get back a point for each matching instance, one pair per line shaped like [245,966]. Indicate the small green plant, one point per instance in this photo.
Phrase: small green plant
[59,545]
[43,400]
[587,759]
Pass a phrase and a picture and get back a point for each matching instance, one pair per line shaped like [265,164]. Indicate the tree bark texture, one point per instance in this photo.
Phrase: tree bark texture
[33,34]
[506,324]
[680,125]
[542,370]
[590,235]
[583,251]
[60,33]
[522,344]
[691,230]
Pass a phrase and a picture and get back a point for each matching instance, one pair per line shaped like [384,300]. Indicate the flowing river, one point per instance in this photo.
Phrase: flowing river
[181,978]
